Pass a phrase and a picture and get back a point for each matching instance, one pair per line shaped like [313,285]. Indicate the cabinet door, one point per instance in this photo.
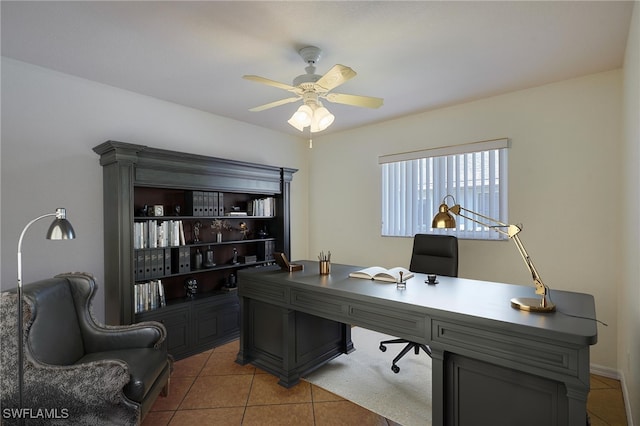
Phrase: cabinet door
[176,320]
[216,320]
[230,319]
[479,393]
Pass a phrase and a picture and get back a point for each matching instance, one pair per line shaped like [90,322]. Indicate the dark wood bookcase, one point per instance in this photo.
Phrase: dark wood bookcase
[250,201]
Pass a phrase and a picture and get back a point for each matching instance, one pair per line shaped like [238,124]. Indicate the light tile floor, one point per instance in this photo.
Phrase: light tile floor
[211,389]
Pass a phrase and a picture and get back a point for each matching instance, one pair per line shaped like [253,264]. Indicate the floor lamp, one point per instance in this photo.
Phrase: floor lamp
[60,229]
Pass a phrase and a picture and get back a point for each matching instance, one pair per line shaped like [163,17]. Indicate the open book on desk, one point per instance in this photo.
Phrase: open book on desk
[379,273]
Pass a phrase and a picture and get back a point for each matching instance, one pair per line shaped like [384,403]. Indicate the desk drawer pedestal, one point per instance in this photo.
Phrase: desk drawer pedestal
[287,343]
[481,393]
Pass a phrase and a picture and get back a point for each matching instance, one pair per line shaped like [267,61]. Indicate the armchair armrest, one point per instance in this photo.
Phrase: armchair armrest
[99,337]
[112,337]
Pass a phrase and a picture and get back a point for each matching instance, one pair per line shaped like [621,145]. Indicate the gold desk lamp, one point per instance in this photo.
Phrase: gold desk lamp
[444,219]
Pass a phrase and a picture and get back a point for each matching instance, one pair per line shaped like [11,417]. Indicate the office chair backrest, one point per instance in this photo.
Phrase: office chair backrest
[435,254]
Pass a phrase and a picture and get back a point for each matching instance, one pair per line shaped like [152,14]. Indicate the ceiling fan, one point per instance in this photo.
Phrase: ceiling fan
[310,88]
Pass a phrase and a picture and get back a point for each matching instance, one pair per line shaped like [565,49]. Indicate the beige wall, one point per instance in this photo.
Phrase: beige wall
[629,289]
[51,122]
[563,179]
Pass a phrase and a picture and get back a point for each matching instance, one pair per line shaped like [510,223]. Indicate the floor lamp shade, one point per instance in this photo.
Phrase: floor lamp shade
[61,229]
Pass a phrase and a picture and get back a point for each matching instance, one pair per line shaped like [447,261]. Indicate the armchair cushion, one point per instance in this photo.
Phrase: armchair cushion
[145,365]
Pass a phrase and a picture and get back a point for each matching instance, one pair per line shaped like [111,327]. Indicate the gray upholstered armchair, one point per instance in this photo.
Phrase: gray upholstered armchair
[82,372]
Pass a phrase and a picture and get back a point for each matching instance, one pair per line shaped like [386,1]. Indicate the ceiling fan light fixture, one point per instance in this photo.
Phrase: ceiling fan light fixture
[322,118]
[302,117]
[310,87]
[295,124]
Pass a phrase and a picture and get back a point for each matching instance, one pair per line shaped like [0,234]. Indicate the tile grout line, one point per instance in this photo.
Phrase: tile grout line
[246,403]
[178,408]
[313,403]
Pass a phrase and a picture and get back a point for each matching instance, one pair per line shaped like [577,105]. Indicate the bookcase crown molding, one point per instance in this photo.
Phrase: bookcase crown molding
[174,169]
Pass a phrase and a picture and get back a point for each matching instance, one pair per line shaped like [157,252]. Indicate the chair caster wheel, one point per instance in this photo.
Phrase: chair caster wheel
[383,348]
[395,369]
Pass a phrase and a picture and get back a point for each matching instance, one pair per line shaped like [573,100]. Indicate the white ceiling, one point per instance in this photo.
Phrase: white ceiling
[417,55]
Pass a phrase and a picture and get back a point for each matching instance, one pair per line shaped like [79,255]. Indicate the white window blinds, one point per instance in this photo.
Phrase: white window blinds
[415,183]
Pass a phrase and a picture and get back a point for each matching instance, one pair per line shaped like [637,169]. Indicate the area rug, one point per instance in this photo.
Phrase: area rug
[365,378]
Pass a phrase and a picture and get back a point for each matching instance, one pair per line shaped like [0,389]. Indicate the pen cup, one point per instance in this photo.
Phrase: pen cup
[325,267]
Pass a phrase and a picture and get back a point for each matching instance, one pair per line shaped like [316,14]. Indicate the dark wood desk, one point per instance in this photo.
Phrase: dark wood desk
[491,364]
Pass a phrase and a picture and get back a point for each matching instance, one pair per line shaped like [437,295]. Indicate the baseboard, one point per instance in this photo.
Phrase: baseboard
[617,375]
[627,403]
[605,371]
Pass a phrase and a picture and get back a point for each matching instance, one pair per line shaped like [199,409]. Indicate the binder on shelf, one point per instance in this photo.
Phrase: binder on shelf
[139,265]
[167,261]
[199,203]
[147,264]
[266,250]
[154,262]
[181,260]
[212,204]
[194,203]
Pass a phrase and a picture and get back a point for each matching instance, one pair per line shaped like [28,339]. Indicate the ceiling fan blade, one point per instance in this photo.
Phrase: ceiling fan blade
[335,77]
[273,83]
[274,104]
[355,100]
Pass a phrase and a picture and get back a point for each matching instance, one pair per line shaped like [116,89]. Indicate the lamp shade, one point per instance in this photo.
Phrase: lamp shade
[443,219]
[61,229]
[322,118]
[302,117]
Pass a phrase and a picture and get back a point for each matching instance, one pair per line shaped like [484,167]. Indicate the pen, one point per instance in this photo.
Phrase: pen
[324,257]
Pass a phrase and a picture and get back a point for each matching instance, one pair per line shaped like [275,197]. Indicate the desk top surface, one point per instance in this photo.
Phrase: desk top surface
[455,298]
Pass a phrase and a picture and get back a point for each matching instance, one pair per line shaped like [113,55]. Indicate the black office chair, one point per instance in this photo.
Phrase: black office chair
[432,254]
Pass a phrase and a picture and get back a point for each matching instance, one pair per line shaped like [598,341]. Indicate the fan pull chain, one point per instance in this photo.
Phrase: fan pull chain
[310,139]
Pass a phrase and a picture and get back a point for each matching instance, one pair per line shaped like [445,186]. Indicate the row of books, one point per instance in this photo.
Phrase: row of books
[154,234]
[262,207]
[149,295]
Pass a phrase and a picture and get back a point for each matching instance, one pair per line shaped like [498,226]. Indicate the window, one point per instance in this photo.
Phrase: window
[414,185]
